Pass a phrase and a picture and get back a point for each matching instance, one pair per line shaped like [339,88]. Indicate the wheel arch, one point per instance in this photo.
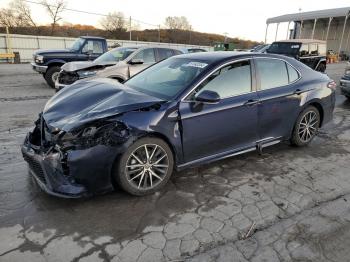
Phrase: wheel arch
[317,104]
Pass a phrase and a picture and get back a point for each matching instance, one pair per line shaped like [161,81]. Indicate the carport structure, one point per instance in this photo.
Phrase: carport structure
[330,25]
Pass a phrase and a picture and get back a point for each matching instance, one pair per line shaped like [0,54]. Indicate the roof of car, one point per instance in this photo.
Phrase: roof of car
[92,37]
[217,56]
[306,41]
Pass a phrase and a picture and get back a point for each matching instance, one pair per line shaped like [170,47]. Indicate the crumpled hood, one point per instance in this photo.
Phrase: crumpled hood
[75,66]
[92,100]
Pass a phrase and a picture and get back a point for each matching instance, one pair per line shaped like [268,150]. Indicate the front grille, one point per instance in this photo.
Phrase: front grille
[35,167]
[67,78]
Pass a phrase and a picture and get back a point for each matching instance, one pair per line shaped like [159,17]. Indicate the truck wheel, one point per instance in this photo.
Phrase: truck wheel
[51,75]
[321,68]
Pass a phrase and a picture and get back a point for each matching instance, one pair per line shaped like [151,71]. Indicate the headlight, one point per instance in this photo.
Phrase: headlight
[84,74]
[39,59]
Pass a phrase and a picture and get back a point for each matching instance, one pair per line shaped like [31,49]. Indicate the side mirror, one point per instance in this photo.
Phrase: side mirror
[88,52]
[136,61]
[208,96]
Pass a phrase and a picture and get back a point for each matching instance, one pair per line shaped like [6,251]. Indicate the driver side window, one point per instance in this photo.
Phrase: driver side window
[234,79]
[147,55]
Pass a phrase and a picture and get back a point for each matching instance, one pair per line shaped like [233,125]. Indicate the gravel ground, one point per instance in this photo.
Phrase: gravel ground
[290,204]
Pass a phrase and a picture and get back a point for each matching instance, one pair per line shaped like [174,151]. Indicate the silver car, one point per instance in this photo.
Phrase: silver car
[119,63]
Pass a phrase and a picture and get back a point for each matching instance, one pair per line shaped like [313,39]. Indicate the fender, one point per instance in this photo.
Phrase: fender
[56,61]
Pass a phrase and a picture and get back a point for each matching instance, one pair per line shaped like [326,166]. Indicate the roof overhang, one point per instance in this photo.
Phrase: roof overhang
[327,13]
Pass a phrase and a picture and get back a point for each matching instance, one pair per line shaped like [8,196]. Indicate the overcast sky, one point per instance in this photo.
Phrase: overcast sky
[244,19]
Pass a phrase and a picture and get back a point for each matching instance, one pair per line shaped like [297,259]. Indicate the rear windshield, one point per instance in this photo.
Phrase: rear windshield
[284,48]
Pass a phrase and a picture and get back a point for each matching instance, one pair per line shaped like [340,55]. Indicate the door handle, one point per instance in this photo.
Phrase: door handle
[298,92]
[252,102]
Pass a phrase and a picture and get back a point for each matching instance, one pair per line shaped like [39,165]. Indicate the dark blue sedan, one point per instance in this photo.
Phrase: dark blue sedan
[184,111]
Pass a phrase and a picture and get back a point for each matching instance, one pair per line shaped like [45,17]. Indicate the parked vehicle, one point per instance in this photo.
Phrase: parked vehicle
[120,63]
[48,62]
[196,50]
[260,48]
[311,52]
[220,46]
[345,82]
[184,111]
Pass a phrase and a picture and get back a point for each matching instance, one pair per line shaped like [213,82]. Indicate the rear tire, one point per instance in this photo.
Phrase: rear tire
[145,166]
[51,75]
[306,126]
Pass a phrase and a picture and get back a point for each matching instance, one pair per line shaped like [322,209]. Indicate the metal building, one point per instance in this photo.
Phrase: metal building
[331,25]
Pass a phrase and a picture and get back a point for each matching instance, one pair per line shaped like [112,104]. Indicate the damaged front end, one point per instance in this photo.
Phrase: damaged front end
[76,163]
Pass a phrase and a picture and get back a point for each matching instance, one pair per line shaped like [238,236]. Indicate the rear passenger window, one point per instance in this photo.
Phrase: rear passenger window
[293,74]
[164,53]
[272,72]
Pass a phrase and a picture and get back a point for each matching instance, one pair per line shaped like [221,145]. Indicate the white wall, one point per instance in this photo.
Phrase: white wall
[27,44]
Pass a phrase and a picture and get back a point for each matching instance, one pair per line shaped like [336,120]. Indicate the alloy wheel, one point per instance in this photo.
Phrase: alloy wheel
[308,126]
[55,76]
[147,166]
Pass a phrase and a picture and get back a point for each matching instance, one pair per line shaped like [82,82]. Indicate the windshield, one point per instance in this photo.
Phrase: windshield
[116,55]
[77,44]
[284,48]
[168,78]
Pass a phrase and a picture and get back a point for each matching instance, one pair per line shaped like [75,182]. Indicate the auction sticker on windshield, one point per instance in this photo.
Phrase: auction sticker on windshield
[196,64]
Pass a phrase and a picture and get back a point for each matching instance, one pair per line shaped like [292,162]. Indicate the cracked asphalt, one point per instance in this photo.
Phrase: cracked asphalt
[289,204]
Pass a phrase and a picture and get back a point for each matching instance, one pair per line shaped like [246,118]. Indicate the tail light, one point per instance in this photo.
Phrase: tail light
[332,85]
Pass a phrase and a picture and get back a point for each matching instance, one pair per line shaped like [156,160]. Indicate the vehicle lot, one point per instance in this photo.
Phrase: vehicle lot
[295,198]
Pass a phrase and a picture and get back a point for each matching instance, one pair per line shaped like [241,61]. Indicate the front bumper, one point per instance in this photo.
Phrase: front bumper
[71,174]
[345,86]
[39,68]
[59,86]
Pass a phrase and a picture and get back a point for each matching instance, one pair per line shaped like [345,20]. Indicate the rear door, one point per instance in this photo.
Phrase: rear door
[280,96]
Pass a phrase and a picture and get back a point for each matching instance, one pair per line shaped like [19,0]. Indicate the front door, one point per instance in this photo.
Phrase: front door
[230,124]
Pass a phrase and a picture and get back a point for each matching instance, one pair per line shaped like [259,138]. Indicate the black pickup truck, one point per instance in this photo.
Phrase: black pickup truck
[48,62]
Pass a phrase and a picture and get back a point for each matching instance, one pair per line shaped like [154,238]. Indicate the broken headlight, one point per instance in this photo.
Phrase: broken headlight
[110,133]
[84,74]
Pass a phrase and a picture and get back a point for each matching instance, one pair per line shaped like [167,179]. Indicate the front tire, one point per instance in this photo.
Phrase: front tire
[145,167]
[51,75]
[306,126]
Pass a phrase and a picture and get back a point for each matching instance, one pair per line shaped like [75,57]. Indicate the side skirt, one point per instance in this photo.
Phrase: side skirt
[208,159]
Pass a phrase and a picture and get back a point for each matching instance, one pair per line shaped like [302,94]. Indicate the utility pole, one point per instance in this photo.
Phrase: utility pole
[158,33]
[130,26]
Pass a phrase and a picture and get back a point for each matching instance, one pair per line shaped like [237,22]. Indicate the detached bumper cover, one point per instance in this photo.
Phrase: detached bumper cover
[39,68]
[79,173]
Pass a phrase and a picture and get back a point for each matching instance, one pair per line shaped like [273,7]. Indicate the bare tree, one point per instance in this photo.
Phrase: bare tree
[114,22]
[23,12]
[54,10]
[18,14]
[177,23]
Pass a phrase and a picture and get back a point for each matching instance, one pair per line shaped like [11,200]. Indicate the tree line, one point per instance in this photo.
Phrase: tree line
[18,18]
